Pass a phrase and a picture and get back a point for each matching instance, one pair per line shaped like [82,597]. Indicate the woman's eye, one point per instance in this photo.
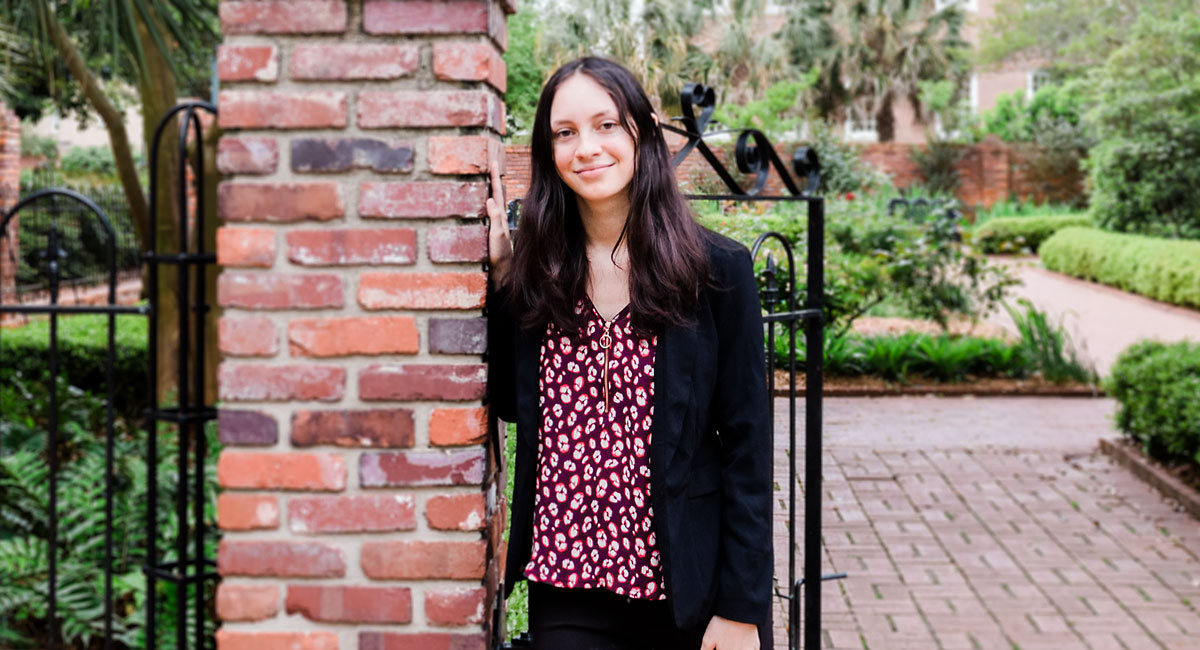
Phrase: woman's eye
[608,126]
[562,133]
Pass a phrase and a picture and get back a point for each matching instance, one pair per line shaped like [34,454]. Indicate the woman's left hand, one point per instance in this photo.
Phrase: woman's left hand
[724,634]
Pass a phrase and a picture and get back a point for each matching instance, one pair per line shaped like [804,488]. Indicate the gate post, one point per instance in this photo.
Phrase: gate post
[359,505]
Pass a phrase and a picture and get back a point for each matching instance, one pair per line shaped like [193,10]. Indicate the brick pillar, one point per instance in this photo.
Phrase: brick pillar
[359,505]
[10,190]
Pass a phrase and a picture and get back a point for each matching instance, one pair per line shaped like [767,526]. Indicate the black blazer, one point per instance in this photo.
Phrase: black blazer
[710,452]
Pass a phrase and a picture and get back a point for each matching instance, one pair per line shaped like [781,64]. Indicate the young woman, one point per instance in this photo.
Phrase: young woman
[626,343]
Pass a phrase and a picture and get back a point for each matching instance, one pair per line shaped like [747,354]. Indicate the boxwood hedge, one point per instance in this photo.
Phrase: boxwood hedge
[1163,269]
[1023,234]
[1156,386]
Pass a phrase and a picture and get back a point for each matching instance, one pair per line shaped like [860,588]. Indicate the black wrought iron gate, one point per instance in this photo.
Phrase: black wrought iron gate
[188,566]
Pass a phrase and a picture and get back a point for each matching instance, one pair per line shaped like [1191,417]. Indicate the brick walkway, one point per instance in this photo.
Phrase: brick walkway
[992,523]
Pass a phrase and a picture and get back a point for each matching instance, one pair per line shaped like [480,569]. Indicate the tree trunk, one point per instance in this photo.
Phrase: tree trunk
[885,119]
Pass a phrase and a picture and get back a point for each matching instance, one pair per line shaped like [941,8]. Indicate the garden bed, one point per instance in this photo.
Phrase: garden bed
[866,386]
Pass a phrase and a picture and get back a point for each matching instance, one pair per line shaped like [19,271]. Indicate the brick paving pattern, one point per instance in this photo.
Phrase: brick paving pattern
[991,523]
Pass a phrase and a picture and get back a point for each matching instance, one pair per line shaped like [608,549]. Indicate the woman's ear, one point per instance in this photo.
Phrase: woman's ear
[655,116]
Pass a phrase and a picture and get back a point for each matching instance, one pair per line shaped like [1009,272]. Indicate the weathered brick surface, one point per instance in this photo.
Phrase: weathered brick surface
[246,382]
[282,16]
[246,428]
[382,290]
[356,247]
[421,199]
[345,604]
[248,63]
[237,511]
[420,560]
[252,336]
[242,109]
[455,427]
[455,606]
[245,247]
[279,291]
[422,640]
[452,382]
[457,335]
[340,337]
[247,155]
[280,202]
[412,468]
[379,109]
[462,154]
[456,512]
[390,427]
[458,243]
[357,513]
[282,559]
[470,62]
[343,154]
[282,471]
[354,61]
[246,602]
[425,17]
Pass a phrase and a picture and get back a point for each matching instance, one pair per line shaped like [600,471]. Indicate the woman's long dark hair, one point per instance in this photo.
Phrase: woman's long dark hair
[668,259]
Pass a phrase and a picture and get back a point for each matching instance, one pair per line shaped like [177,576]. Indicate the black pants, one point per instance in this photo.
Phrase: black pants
[598,619]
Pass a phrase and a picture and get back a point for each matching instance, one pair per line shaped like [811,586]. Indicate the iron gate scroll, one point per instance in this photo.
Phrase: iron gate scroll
[190,566]
[754,156]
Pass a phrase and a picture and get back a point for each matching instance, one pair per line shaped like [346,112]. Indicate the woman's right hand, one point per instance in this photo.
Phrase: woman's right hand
[500,250]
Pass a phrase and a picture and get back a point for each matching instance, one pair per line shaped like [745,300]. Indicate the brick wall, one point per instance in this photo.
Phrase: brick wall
[358,503]
[10,189]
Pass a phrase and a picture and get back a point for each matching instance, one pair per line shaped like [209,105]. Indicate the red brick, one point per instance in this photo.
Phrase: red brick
[452,427]
[281,471]
[280,202]
[498,27]
[418,468]
[423,560]
[253,383]
[259,109]
[458,382]
[354,61]
[246,602]
[283,559]
[342,604]
[252,336]
[456,512]
[458,243]
[421,640]
[278,291]
[426,108]
[365,428]
[462,61]
[421,199]
[359,513]
[460,606]
[463,154]
[325,155]
[247,63]
[341,337]
[247,155]
[380,290]
[245,247]
[426,17]
[374,246]
[236,511]
[283,16]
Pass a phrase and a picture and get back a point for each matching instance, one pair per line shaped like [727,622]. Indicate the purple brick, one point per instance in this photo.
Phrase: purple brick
[339,155]
[408,468]
[457,335]
[246,428]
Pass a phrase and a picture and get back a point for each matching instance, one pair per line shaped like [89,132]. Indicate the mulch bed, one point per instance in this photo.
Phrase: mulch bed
[1179,482]
[876,387]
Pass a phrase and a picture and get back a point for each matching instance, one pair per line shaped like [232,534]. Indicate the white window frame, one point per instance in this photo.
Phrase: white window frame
[1035,80]
[859,127]
[969,5]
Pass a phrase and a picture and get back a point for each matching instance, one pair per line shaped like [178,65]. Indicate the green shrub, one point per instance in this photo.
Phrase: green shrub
[1015,207]
[1023,234]
[1048,347]
[1163,269]
[89,161]
[1156,387]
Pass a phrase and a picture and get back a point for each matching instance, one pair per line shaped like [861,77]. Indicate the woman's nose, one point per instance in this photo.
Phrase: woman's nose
[589,145]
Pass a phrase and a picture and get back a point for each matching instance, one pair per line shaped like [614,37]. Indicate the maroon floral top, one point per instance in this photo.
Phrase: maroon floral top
[593,523]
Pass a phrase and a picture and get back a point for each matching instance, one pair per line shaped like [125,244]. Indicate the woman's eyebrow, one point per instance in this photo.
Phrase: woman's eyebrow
[604,113]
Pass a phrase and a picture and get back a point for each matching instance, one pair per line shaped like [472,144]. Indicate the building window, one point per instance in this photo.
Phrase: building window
[860,125]
[1035,80]
[969,5]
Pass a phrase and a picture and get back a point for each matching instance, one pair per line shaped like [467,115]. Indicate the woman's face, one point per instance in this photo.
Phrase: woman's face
[594,156]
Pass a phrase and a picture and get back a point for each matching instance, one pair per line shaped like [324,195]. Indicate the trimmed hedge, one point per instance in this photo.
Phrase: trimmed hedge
[1163,269]
[1023,234]
[1156,385]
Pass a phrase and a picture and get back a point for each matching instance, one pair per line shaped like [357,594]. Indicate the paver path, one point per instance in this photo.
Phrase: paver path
[991,523]
[1101,320]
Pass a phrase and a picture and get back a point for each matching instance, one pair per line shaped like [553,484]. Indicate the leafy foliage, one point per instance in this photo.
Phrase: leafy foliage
[1163,269]
[778,112]
[526,71]
[1155,385]
[1024,234]
[1049,346]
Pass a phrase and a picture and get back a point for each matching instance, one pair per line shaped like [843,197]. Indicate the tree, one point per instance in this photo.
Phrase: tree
[872,53]
[145,43]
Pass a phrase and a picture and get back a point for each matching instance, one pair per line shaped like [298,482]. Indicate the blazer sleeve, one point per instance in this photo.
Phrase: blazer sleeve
[502,354]
[741,418]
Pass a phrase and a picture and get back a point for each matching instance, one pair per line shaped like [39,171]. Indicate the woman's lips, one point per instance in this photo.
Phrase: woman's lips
[592,171]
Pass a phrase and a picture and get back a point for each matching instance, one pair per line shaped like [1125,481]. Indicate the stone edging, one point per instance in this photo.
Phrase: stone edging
[953,390]
[1156,476]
